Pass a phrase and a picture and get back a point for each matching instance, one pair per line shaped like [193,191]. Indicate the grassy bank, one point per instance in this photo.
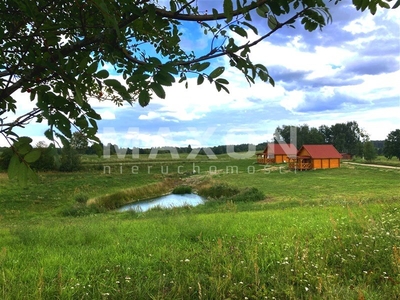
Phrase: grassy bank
[326,234]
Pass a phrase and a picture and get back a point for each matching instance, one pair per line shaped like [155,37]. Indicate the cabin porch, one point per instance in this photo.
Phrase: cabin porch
[262,158]
[300,163]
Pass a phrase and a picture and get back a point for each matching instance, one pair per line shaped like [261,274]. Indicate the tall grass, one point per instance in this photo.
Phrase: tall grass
[303,252]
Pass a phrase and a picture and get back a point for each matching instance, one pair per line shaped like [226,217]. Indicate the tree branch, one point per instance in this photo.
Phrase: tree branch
[211,54]
[20,121]
[208,17]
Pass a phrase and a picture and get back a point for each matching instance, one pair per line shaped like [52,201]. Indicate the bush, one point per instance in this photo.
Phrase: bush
[81,209]
[81,198]
[5,158]
[182,189]
[249,195]
[226,192]
[45,161]
[70,160]
[218,191]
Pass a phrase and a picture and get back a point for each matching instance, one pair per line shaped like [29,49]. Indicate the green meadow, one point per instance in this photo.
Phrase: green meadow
[324,234]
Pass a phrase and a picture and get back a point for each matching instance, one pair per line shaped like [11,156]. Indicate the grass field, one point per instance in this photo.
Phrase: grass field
[325,234]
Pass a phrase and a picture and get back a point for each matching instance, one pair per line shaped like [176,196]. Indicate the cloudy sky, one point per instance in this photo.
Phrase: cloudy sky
[346,72]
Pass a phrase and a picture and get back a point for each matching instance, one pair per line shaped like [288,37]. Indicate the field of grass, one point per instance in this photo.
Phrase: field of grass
[325,234]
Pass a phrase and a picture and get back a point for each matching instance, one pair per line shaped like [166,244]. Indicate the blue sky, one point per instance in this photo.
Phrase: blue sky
[346,72]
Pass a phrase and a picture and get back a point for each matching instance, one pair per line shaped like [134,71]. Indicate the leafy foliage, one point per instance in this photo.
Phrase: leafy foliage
[58,53]
[219,191]
[182,189]
[369,151]
[346,137]
[70,159]
[392,145]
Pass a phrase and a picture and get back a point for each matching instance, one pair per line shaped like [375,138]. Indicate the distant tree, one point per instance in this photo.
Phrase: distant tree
[369,151]
[70,159]
[261,146]
[347,137]
[304,135]
[41,144]
[79,142]
[392,145]
[46,161]
[5,158]
[379,146]
[326,132]
[315,136]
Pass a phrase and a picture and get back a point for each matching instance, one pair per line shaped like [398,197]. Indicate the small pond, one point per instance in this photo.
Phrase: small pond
[167,201]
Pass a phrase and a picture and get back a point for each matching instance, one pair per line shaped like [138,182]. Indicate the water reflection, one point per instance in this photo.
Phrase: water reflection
[167,201]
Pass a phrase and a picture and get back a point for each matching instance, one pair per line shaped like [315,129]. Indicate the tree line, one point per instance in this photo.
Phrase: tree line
[345,137]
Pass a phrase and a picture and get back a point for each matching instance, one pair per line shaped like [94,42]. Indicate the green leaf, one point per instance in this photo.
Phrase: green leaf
[372,8]
[112,83]
[49,134]
[32,156]
[263,75]
[384,4]
[24,140]
[222,81]
[255,30]
[228,10]
[102,74]
[219,86]
[261,13]
[215,13]
[13,167]
[23,174]
[164,78]
[200,79]
[92,68]
[144,98]
[78,95]
[158,89]
[24,148]
[217,72]
[172,6]
[32,175]
[203,66]
[240,31]
[272,22]
[32,95]
[81,122]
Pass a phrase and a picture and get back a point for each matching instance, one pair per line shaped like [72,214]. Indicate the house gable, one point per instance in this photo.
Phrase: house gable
[319,151]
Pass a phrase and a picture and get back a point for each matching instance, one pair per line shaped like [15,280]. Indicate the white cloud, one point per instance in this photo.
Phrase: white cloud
[107,115]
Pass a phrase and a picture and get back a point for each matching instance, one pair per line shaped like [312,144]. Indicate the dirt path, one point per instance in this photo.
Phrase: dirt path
[371,165]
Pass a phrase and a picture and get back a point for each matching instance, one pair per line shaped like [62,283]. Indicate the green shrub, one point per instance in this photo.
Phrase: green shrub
[81,209]
[249,195]
[182,189]
[70,159]
[218,191]
[81,198]
[45,161]
[5,158]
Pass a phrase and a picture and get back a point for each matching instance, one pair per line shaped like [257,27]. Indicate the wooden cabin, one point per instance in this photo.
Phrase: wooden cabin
[346,156]
[276,153]
[315,157]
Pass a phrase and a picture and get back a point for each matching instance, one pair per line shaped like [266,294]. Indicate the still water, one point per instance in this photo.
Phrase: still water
[167,201]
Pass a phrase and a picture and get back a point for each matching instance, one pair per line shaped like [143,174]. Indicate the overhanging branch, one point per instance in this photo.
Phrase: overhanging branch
[208,17]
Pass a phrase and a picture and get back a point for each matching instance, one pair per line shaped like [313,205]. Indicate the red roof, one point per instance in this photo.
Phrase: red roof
[321,151]
[281,149]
